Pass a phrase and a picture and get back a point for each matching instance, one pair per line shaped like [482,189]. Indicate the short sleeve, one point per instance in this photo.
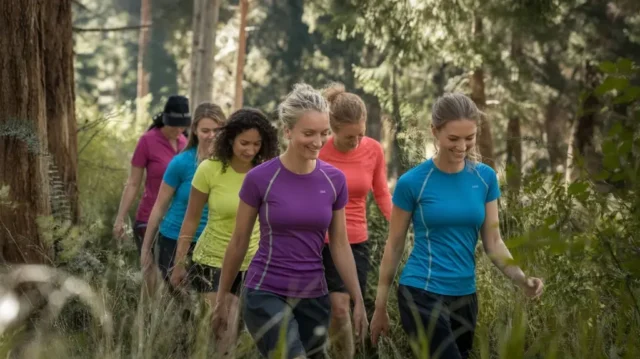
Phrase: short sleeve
[141,153]
[403,196]
[493,190]
[249,192]
[200,179]
[342,194]
[172,176]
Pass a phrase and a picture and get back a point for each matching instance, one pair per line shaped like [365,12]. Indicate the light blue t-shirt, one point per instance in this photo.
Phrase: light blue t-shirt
[179,175]
[448,210]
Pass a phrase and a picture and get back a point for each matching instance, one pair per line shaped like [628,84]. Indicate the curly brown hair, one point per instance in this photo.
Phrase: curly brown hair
[240,121]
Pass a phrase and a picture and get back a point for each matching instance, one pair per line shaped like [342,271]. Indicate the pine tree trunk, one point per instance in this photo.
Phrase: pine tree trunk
[196,41]
[143,44]
[23,165]
[514,154]
[60,101]
[555,128]
[242,50]
[485,139]
[206,51]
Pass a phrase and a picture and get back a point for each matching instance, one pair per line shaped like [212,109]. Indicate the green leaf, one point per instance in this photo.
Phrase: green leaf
[624,66]
[577,188]
[612,83]
[608,67]
[631,94]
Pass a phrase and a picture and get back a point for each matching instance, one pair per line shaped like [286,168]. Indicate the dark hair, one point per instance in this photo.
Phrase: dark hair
[204,110]
[175,113]
[240,121]
[346,107]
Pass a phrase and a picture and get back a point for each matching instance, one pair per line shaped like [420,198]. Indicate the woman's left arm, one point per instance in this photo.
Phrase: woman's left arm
[342,255]
[499,253]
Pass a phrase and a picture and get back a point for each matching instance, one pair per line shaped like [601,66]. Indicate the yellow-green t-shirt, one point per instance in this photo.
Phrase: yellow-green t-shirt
[223,189]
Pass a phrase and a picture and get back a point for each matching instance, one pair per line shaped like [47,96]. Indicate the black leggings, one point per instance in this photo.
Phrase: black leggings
[447,321]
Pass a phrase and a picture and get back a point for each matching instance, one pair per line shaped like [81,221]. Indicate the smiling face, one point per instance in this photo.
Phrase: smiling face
[348,136]
[455,139]
[205,131]
[247,145]
[309,134]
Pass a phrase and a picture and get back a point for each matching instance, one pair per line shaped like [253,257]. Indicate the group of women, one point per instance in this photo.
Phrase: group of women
[281,239]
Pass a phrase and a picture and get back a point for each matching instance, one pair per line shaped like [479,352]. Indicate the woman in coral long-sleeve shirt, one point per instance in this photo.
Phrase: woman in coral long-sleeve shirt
[362,161]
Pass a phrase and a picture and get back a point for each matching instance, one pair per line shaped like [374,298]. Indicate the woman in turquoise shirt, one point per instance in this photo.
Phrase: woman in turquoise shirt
[450,199]
[173,196]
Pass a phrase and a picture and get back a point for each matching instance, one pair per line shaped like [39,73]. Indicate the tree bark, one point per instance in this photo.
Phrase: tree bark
[398,166]
[514,154]
[202,82]
[194,62]
[485,139]
[242,51]
[374,117]
[582,151]
[23,165]
[60,102]
[555,128]
[143,44]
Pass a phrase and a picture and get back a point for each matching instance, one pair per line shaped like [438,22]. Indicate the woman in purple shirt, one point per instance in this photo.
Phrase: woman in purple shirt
[155,149]
[297,198]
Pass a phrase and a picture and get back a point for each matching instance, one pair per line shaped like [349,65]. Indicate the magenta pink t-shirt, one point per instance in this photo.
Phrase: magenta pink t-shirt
[153,153]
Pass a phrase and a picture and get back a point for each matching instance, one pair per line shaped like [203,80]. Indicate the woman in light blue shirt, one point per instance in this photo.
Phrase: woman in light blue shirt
[173,196]
[450,199]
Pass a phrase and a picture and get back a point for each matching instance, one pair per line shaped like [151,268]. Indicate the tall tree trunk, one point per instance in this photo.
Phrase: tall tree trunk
[374,117]
[555,128]
[514,154]
[196,41]
[582,149]
[485,139]
[242,50]
[514,136]
[23,165]
[143,44]
[398,165]
[60,115]
[203,80]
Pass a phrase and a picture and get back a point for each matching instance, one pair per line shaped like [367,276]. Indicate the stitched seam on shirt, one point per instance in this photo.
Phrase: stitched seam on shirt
[266,215]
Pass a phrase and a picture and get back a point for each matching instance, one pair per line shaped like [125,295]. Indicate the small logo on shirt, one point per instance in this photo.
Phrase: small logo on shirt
[323,191]
[475,186]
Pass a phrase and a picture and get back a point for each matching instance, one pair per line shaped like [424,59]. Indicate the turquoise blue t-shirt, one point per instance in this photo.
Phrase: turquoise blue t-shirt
[448,210]
[179,175]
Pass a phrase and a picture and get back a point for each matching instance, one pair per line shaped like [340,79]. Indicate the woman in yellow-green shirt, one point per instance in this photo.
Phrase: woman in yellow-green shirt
[246,140]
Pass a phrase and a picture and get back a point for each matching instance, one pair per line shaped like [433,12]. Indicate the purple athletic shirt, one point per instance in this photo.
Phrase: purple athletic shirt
[294,213]
[153,153]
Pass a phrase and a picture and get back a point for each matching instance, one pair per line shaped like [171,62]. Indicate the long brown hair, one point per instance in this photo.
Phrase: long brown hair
[204,110]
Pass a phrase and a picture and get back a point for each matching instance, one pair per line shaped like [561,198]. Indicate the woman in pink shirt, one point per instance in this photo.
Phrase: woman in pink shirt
[362,161]
[155,149]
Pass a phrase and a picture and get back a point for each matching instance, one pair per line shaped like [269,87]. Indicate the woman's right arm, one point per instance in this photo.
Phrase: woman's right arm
[190,223]
[393,250]
[238,246]
[128,195]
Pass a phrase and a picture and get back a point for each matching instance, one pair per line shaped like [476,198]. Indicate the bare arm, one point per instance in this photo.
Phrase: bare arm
[238,246]
[190,223]
[381,187]
[398,227]
[495,248]
[165,194]
[342,255]
[130,191]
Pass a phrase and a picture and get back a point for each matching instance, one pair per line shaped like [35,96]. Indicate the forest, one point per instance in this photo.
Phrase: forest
[558,82]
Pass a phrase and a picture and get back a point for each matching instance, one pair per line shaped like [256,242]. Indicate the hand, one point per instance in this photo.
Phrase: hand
[178,274]
[149,269]
[379,324]
[532,287]
[220,316]
[118,229]
[360,320]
